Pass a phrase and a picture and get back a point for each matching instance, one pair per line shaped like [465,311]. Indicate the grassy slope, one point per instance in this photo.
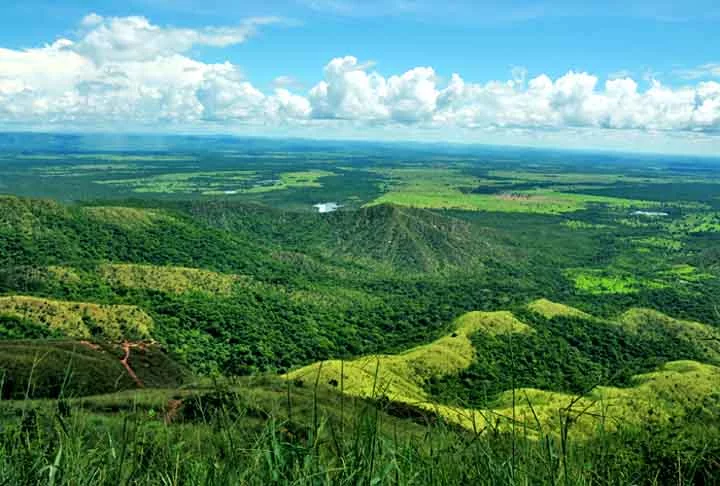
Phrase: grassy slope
[168,279]
[643,321]
[81,319]
[549,309]
[672,390]
[411,239]
[422,236]
[400,377]
[53,368]
[46,233]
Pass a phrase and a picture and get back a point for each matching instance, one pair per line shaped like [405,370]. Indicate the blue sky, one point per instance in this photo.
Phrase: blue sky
[667,49]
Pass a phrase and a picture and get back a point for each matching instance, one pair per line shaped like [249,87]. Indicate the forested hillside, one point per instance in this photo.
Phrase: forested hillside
[236,288]
[281,303]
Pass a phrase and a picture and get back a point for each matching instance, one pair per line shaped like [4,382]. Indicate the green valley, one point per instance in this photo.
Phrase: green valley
[459,316]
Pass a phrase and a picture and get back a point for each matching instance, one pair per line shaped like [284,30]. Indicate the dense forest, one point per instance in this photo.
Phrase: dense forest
[304,287]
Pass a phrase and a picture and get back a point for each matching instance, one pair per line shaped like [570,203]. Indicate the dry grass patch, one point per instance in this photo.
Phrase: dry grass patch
[401,377]
[707,338]
[81,319]
[128,218]
[169,279]
[549,309]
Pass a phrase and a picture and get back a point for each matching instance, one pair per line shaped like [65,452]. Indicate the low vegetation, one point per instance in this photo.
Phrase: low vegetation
[565,351]
[401,377]
[80,319]
[168,278]
[64,369]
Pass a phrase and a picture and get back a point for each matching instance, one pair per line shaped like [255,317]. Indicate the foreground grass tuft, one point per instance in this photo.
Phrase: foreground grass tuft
[269,432]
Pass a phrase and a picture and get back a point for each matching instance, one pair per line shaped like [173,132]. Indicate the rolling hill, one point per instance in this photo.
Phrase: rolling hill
[80,319]
[399,239]
[64,368]
[665,389]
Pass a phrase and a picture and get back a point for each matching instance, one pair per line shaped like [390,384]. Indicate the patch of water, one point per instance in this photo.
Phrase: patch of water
[650,213]
[327,207]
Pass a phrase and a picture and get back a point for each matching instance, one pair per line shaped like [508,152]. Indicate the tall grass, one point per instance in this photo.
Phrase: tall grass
[310,435]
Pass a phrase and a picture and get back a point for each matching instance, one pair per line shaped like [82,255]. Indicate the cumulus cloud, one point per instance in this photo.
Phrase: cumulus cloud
[136,39]
[575,99]
[128,72]
[349,92]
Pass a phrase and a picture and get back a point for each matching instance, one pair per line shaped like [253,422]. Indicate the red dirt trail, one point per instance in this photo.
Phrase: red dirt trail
[90,345]
[127,345]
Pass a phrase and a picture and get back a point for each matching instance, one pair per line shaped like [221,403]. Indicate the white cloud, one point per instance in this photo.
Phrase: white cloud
[285,106]
[224,95]
[708,70]
[136,39]
[91,20]
[349,92]
[127,70]
[412,96]
[128,73]
[287,82]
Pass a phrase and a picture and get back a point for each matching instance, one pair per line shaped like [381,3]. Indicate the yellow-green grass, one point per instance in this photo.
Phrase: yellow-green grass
[181,280]
[65,275]
[219,183]
[661,243]
[549,309]
[448,189]
[77,319]
[706,338]
[22,215]
[288,180]
[572,177]
[582,225]
[636,222]
[696,223]
[685,272]
[595,179]
[401,377]
[186,182]
[669,392]
[84,169]
[170,279]
[128,218]
[683,269]
[600,282]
